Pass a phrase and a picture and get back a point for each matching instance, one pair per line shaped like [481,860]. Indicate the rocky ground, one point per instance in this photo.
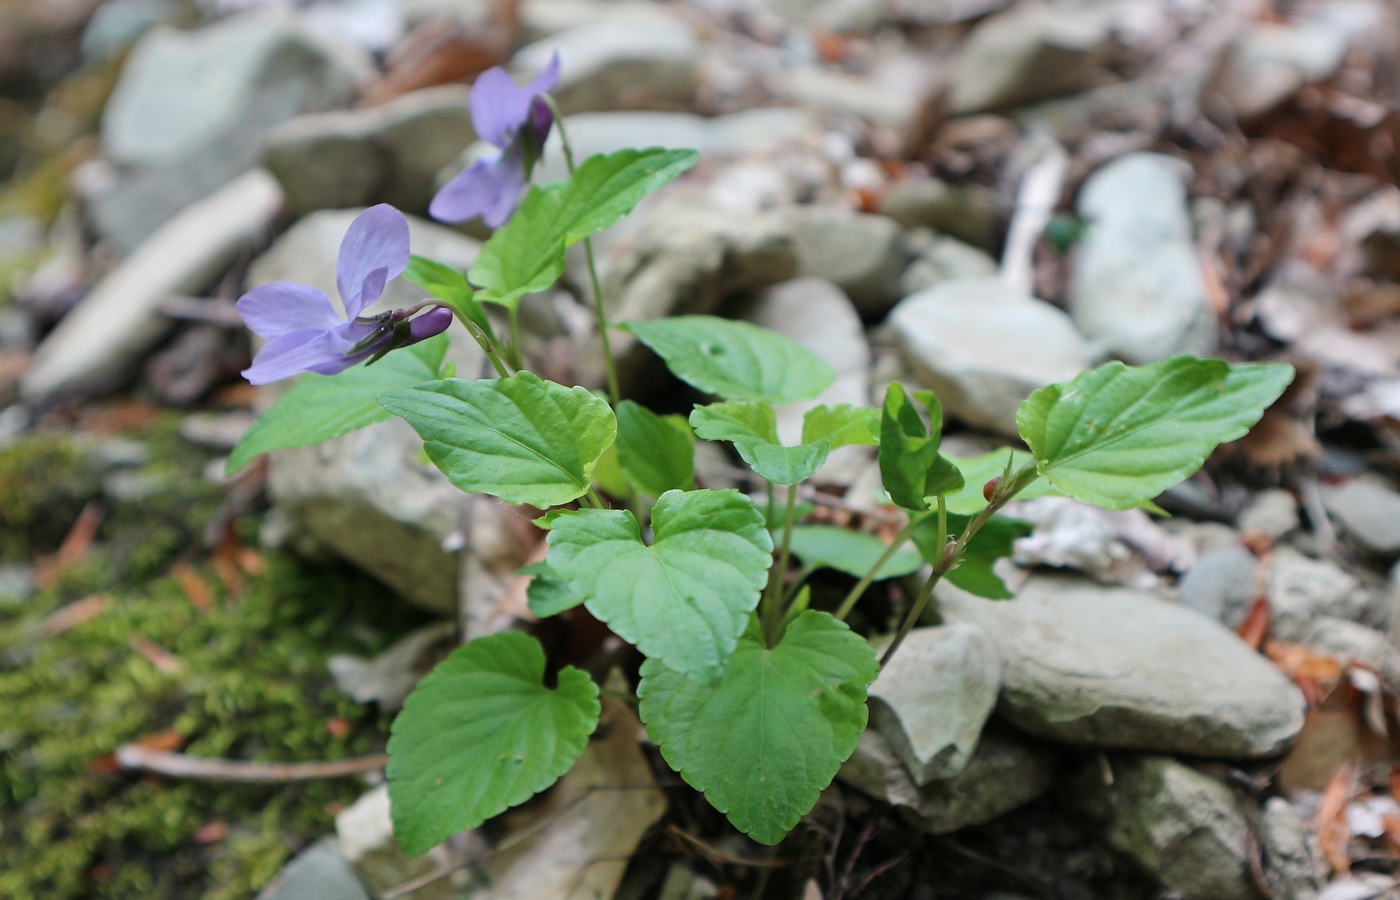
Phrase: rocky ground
[980,196]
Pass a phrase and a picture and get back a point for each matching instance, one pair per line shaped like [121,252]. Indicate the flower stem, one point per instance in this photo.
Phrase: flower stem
[514,349]
[484,339]
[613,391]
[855,593]
[773,605]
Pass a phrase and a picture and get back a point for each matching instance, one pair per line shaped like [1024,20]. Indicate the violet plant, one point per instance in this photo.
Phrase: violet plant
[754,697]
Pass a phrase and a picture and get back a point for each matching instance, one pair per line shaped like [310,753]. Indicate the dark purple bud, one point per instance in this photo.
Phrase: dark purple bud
[431,324]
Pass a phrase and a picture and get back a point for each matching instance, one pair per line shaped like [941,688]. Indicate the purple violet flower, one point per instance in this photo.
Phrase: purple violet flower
[303,330]
[515,121]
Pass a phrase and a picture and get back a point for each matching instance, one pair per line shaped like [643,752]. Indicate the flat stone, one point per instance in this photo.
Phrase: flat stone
[1114,667]
[939,258]
[118,321]
[1369,512]
[319,872]
[1032,52]
[1182,826]
[366,835]
[1273,60]
[863,255]
[968,212]
[984,348]
[817,314]
[933,697]
[1353,642]
[1136,284]
[1273,513]
[619,64]
[369,496]
[850,95]
[1291,861]
[1223,585]
[1007,771]
[389,153]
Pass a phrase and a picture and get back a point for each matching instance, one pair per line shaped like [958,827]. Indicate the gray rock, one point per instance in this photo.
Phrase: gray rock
[1351,641]
[1291,863]
[687,257]
[1186,828]
[1136,284]
[366,835]
[1114,667]
[369,496]
[1223,585]
[1032,52]
[849,95]
[1272,60]
[933,697]
[16,584]
[190,107]
[543,18]
[1006,771]
[1369,512]
[817,315]
[619,64]
[863,255]
[985,348]
[319,872]
[390,676]
[939,258]
[1273,513]
[1301,589]
[118,321]
[390,153]
[834,15]
[968,212]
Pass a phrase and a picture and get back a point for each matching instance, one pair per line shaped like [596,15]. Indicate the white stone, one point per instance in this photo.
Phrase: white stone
[1369,512]
[984,348]
[863,255]
[1136,284]
[118,320]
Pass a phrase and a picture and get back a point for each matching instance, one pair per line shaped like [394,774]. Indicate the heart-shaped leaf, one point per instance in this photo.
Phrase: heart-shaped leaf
[656,453]
[527,253]
[521,438]
[686,598]
[482,733]
[1118,436]
[766,739]
[752,428]
[852,552]
[547,594]
[321,407]
[735,360]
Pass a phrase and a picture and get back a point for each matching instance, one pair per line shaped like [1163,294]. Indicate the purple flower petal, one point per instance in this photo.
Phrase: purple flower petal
[500,107]
[374,250]
[284,306]
[432,323]
[489,187]
[310,350]
[544,82]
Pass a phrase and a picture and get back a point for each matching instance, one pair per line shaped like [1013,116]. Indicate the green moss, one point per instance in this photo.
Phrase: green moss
[44,481]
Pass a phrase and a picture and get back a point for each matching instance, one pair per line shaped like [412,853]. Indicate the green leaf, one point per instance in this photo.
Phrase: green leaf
[521,438]
[1116,436]
[607,474]
[527,253]
[752,428]
[768,737]
[448,285]
[993,541]
[482,733]
[852,552]
[320,407]
[547,593]
[686,598]
[910,466]
[735,360]
[656,453]
[978,470]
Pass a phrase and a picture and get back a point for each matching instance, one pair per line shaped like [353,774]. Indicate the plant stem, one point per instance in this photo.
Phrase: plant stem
[593,498]
[796,587]
[773,605]
[484,339]
[601,313]
[855,593]
[514,349]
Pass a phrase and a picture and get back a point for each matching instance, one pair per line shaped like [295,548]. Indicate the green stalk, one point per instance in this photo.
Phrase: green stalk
[602,316]
[855,593]
[483,339]
[513,351]
[773,599]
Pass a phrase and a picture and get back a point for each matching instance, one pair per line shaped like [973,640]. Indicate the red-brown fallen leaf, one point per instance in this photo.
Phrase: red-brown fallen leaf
[1331,823]
[832,49]
[165,739]
[1313,672]
[1255,627]
[338,727]
[164,661]
[1392,832]
[74,614]
[1331,739]
[440,52]
[75,546]
[106,764]
[211,832]
[194,586]
[250,560]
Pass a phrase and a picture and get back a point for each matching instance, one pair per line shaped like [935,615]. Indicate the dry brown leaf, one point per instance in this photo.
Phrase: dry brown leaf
[195,587]
[1255,627]
[1315,673]
[1331,822]
[74,614]
[75,546]
[164,661]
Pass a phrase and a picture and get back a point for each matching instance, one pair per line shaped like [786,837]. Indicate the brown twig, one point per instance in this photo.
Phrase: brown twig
[178,765]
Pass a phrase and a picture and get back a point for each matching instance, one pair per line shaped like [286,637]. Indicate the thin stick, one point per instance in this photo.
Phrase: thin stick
[178,765]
